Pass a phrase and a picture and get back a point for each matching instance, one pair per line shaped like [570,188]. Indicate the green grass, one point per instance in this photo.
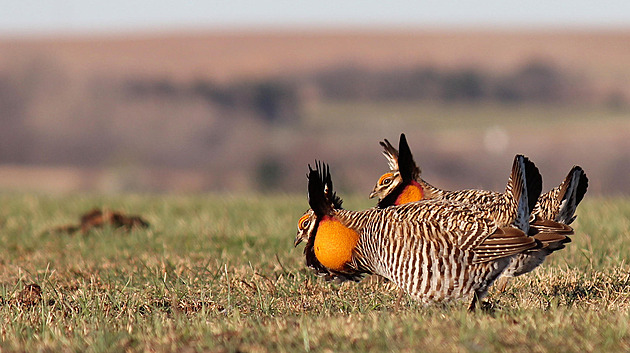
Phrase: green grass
[219,273]
[438,117]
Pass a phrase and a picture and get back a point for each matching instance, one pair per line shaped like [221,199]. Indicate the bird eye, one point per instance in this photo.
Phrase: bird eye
[304,222]
[386,179]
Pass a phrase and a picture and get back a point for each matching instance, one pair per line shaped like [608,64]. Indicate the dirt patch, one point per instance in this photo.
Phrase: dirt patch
[98,218]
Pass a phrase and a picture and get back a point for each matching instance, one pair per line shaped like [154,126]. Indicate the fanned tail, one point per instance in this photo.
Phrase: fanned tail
[525,186]
[572,191]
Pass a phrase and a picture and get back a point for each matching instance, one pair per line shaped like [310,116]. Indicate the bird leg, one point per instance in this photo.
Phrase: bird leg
[502,283]
[473,304]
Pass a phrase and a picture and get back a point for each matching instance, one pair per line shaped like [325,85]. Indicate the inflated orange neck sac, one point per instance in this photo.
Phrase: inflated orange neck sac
[411,193]
[334,243]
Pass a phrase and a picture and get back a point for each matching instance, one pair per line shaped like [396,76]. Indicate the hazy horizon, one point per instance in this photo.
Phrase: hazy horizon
[50,17]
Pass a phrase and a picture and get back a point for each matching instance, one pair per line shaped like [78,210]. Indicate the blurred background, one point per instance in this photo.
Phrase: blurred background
[239,96]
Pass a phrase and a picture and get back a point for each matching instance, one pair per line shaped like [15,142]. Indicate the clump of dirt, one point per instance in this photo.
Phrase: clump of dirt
[98,218]
[29,296]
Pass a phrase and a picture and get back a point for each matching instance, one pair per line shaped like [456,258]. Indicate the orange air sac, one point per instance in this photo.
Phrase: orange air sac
[334,244]
[411,193]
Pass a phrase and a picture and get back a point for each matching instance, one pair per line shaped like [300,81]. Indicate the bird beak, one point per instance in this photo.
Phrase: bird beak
[372,194]
[297,241]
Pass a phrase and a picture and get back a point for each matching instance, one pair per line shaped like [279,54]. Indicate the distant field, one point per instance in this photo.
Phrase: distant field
[602,55]
[219,273]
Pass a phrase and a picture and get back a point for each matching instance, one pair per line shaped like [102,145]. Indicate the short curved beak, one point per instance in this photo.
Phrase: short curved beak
[297,241]
[372,194]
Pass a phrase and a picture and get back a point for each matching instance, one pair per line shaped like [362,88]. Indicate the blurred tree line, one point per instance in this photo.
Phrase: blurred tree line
[278,100]
[535,82]
[271,100]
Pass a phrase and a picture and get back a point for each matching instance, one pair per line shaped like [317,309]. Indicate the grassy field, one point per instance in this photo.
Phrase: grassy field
[436,117]
[219,273]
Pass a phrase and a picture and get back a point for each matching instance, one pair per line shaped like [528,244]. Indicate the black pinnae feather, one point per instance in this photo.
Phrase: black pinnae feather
[316,197]
[321,196]
[389,148]
[329,192]
[406,164]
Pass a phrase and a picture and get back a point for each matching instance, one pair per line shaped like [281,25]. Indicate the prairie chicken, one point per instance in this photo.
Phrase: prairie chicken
[435,250]
[404,184]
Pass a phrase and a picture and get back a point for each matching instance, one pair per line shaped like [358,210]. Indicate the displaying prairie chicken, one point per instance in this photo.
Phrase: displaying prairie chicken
[404,184]
[552,212]
[435,250]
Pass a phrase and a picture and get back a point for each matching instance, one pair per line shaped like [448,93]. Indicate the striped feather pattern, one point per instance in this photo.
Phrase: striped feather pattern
[434,250]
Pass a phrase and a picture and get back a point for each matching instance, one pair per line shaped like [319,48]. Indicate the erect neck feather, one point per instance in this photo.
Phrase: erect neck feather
[410,193]
[334,243]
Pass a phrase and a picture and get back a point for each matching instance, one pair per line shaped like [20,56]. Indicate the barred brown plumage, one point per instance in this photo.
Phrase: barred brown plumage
[436,250]
[555,206]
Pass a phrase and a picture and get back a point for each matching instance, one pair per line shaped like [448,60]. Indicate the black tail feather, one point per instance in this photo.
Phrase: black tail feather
[582,185]
[534,182]
[572,191]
